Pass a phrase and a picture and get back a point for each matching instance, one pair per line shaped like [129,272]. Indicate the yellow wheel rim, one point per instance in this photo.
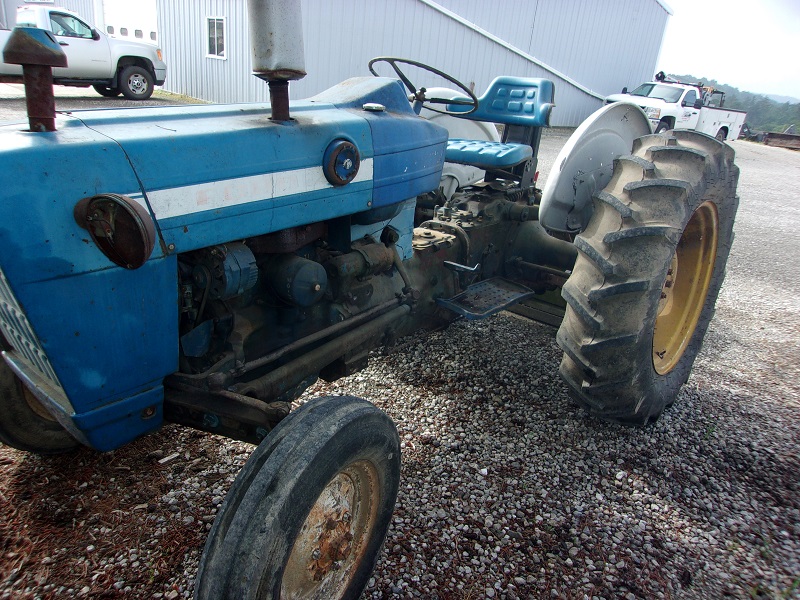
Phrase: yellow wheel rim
[685,288]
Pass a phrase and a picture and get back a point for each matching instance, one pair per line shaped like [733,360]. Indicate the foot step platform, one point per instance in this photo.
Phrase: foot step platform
[485,298]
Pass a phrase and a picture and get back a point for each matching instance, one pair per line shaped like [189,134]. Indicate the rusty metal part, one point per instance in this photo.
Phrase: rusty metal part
[363,261]
[456,230]
[38,52]
[33,46]
[536,272]
[534,245]
[287,240]
[783,140]
[333,538]
[390,237]
[283,378]
[428,238]
[279,100]
[358,319]
[120,227]
[222,412]
[39,98]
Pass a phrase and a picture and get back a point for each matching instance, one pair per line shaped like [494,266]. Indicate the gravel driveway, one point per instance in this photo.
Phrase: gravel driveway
[508,490]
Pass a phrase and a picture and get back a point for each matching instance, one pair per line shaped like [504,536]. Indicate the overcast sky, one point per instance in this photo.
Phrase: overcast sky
[753,45]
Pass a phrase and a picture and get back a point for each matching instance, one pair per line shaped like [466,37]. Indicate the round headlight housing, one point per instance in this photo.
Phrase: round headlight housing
[119,226]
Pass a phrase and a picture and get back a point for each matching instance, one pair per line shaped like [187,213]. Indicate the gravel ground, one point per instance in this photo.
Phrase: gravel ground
[508,490]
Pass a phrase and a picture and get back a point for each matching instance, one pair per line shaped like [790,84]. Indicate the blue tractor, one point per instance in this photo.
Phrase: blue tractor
[204,265]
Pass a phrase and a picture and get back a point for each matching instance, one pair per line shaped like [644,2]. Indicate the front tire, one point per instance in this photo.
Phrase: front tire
[663,125]
[136,83]
[24,422]
[650,266]
[308,513]
[108,92]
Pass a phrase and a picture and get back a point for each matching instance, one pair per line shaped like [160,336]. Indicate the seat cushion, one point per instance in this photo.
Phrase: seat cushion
[485,154]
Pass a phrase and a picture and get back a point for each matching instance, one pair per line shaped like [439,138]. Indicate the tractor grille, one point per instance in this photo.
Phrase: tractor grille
[18,332]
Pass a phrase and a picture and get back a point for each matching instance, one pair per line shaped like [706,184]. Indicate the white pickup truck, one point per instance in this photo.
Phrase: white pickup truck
[112,66]
[671,104]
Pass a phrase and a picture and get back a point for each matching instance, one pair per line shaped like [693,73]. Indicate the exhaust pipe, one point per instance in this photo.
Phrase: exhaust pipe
[276,39]
[38,52]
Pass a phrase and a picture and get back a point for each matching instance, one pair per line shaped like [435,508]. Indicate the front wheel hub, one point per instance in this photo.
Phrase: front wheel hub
[332,540]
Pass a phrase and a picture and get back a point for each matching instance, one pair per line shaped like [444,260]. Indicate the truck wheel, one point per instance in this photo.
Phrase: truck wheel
[649,269]
[108,92]
[663,125]
[136,83]
[308,513]
[24,422]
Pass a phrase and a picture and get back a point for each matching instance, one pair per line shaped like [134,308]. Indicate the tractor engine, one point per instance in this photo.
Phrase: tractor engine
[244,299]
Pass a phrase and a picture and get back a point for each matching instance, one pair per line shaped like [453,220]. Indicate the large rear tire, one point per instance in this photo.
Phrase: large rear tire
[649,269]
[308,513]
[24,422]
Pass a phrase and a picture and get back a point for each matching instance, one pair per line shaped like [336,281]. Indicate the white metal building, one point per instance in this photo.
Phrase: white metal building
[589,48]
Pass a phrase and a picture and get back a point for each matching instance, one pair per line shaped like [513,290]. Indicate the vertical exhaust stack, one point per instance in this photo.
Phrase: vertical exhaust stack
[276,37]
[38,52]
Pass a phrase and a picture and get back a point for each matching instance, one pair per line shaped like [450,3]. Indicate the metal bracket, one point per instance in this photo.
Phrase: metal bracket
[461,272]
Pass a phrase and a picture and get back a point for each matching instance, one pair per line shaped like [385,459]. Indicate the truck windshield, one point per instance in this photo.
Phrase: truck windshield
[667,93]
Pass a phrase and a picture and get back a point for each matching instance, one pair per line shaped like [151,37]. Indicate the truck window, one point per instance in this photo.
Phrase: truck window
[689,99]
[69,26]
[717,99]
[667,93]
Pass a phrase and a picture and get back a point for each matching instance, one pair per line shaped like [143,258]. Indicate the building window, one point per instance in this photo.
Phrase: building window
[216,37]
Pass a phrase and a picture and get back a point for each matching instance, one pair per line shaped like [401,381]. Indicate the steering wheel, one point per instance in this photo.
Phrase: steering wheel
[418,95]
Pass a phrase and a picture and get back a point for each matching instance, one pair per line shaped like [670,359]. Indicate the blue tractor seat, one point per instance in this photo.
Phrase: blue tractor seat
[486,154]
[523,105]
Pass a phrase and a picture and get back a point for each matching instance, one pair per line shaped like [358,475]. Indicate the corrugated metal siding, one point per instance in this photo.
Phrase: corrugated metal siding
[602,44]
[183,36]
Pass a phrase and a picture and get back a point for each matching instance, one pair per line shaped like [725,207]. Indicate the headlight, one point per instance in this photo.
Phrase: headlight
[120,227]
[652,112]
